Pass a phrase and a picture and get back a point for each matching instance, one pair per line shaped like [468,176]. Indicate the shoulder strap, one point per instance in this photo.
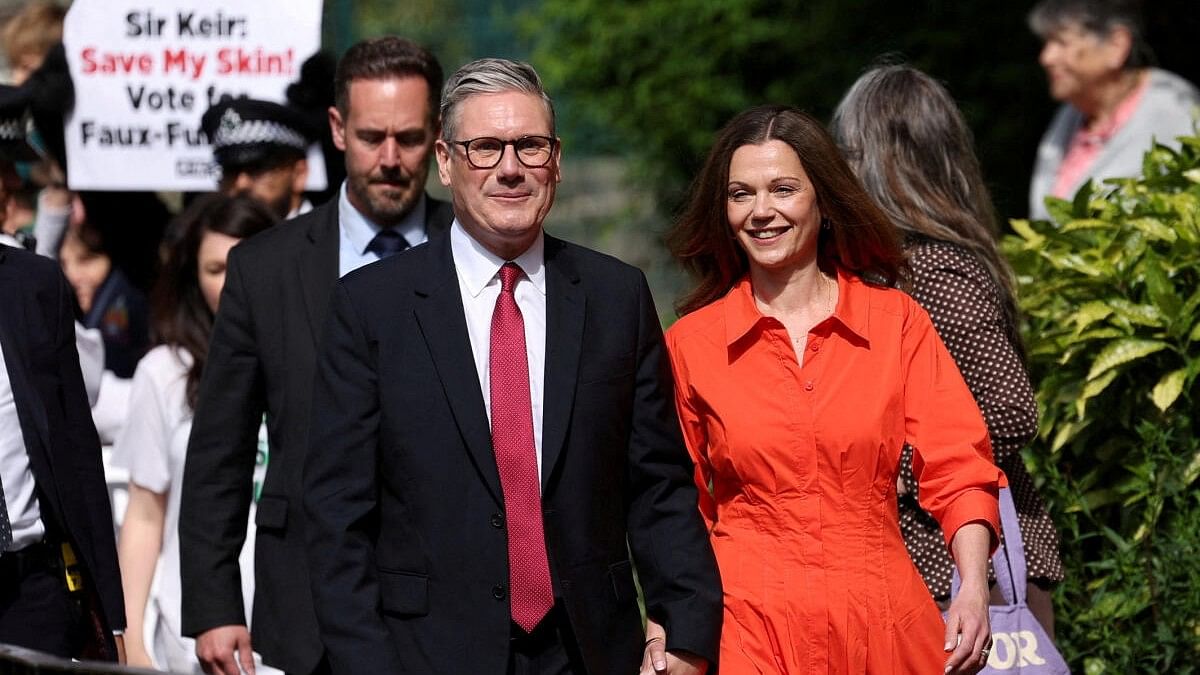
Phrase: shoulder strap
[1009,559]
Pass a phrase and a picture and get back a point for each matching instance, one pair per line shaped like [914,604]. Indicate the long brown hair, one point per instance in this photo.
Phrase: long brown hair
[858,237]
[912,149]
[180,316]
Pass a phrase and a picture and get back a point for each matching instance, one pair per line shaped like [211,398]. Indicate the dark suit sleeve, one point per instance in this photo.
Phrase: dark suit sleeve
[219,467]
[674,560]
[81,438]
[341,497]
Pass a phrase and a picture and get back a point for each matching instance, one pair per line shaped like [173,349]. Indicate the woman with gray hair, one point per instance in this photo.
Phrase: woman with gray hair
[1098,65]
[909,145]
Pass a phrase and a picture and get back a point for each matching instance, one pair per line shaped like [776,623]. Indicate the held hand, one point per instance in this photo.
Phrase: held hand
[120,640]
[968,631]
[658,661]
[222,649]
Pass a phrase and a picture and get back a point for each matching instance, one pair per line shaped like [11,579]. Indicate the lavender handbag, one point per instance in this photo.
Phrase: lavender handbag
[1019,644]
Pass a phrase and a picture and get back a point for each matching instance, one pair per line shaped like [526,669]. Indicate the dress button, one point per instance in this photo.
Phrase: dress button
[814,346]
[497,520]
[808,386]
[498,591]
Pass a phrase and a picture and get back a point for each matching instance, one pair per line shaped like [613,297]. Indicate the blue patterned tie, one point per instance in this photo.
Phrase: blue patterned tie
[387,243]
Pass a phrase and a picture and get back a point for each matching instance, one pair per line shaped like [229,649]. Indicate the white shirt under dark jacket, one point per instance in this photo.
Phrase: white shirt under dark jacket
[15,474]
[479,284]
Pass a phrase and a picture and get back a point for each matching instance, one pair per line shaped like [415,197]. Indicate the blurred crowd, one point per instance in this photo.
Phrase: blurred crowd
[147,273]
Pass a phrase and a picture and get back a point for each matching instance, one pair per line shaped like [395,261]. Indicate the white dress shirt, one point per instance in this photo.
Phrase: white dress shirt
[304,207]
[479,284]
[15,474]
[356,231]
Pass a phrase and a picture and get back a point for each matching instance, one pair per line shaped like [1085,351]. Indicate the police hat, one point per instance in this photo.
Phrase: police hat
[248,132]
[14,125]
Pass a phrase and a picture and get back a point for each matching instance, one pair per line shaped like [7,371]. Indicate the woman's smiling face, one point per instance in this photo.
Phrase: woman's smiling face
[772,206]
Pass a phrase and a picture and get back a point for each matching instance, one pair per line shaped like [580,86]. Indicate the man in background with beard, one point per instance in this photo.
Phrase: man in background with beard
[262,358]
[262,150]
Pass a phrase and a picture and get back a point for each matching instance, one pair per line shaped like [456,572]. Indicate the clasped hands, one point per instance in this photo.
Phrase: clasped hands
[656,660]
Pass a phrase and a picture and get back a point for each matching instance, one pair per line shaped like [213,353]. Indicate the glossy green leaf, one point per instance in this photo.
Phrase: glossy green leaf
[1022,227]
[1154,228]
[1092,389]
[1142,315]
[1168,388]
[1123,351]
[1089,314]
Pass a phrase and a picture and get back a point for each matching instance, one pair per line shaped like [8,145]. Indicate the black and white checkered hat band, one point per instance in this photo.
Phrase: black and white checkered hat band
[259,131]
[12,130]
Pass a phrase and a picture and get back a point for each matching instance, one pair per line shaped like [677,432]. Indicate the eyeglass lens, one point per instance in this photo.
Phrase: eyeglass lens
[532,151]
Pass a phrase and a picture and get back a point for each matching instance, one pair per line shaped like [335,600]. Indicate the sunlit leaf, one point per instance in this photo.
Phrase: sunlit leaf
[1122,351]
[1088,314]
[1142,315]
[1026,232]
[1168,388]
[1086,224]
[1154,228]
[1093,389]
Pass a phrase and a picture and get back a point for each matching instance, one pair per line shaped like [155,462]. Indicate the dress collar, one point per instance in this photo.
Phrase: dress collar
[742,315]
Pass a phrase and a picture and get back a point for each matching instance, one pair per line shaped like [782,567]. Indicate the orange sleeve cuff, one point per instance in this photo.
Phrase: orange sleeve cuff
[973,506]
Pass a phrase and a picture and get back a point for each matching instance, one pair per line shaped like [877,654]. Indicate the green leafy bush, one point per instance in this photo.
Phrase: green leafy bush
[1111,297]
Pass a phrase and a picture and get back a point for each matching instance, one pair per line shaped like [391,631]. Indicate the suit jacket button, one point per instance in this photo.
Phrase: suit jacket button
[497,520]
[498,591]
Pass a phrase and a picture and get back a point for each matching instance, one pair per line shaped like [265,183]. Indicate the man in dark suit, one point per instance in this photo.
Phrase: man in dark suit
[493,435]
[52,490]
[262,356]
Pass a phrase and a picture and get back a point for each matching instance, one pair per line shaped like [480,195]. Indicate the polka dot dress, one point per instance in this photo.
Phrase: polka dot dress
[967,310]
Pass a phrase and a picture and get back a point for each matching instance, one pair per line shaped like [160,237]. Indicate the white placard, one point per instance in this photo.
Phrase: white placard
[145,72]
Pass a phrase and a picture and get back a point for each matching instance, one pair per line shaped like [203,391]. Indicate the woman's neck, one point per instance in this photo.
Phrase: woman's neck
[801,289]
[1101,104]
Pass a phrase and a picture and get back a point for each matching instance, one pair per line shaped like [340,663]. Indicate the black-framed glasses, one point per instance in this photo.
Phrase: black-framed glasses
[486,152]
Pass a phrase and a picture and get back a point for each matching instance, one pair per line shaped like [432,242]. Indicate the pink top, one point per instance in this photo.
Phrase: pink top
[1086,145]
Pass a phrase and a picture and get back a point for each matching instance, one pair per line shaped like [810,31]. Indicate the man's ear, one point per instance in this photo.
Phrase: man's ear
[337,127]
[557,172]
[442,150]
[299,175]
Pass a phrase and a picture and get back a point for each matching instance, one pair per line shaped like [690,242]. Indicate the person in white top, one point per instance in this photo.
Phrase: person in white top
[153,443]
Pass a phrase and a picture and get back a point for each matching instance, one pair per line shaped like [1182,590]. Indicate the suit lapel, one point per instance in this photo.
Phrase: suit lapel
[317,266]
[440,316]
[565,304]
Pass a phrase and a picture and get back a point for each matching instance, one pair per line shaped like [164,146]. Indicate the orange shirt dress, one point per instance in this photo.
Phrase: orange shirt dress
[802,463]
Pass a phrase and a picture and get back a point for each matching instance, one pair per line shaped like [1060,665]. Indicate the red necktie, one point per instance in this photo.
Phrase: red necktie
[531,594]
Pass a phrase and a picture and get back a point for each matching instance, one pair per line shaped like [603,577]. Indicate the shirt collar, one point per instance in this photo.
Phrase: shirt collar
[477,266]
[359,229]
[852,311]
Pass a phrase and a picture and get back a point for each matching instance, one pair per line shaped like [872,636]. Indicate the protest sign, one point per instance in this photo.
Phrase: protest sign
[145,72]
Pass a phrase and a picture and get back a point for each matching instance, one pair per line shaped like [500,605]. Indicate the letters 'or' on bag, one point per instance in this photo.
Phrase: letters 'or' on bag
[1020,645]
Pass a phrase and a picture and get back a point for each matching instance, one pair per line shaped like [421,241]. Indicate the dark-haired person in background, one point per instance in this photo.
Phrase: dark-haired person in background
[153,442]
[108,300]
[262,150]
[263,354]
[910,146]
[1099,66]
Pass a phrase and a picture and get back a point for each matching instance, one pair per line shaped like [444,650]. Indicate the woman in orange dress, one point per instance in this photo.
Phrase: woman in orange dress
[800,376]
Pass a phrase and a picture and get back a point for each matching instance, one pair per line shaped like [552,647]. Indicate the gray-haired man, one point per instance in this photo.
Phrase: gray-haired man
[493,435]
